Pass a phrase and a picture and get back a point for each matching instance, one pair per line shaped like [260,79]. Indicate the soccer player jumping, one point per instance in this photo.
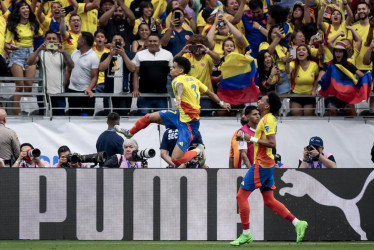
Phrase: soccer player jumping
[260,175]
[186,118]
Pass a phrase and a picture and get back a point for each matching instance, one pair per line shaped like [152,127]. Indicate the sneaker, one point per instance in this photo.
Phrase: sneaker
[202,149]
[123,131]
[243,239]
[300,230]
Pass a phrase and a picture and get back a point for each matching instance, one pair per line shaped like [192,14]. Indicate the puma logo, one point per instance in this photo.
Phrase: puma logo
[304,184]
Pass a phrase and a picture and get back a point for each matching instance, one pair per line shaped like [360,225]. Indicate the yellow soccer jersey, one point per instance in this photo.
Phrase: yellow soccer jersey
[328,55]
[190,99]
[70,44]
[202,69]
[263,155]
[25,35]
[101,78]
[363,31]
[89,18]
[281,52]
[304,80]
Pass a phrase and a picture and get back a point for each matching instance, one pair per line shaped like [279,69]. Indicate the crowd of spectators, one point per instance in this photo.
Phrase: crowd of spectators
[127,46]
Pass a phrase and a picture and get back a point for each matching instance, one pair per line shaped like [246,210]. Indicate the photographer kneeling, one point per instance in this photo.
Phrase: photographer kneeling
[313,156]
[64,159]
[130,158]
[29,158]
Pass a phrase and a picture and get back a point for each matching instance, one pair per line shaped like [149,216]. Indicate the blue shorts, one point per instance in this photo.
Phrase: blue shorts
[20,56]
[285,86]
[258,177]
[186,131]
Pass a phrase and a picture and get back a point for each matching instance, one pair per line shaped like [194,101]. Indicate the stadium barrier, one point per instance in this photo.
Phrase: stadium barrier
[170,204]
[41,100]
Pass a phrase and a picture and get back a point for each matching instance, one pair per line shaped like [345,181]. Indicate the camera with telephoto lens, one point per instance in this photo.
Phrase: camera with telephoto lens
[309,148]
[32,153]
[140,155]
[96,158]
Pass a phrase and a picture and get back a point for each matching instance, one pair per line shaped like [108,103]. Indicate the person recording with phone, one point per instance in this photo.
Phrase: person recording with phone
[175,37]
[52,60]
[29,158]
[314,157]
[130,157]
[117,66]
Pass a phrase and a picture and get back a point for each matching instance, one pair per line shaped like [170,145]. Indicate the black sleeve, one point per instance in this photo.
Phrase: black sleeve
[103,57]
[331,158]
[352,68]
[112,162]
[324,67]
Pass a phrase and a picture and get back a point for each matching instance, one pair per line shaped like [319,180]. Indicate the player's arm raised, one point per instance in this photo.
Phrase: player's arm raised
[216,99]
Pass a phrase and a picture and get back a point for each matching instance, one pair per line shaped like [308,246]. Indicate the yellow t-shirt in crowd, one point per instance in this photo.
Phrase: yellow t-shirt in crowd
[281,52]
[239,26]
[201,69]
[70,44]
[328,55]
[218,42]
[263,156]
[25,35]
[190,100]
[304,80]
[2,33]
[101,78]
[89,18]
[363,31]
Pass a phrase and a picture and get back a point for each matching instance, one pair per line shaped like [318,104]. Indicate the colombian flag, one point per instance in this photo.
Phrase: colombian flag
[340,82]
[239,77]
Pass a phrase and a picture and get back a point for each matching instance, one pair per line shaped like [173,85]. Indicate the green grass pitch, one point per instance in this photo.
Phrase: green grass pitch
[180,245]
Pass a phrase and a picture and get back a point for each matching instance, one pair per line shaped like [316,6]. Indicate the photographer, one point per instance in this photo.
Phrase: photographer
[126,160]
[29,158]
[196,162]
[63,159]
[314,157]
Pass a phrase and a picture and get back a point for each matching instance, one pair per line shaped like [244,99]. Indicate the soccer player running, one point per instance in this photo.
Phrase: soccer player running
[260,175]
[187,90]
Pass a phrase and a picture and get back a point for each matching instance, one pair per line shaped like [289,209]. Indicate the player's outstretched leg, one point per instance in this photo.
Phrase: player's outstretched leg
[300,228]
[243,239]
[140,124]
[280,209]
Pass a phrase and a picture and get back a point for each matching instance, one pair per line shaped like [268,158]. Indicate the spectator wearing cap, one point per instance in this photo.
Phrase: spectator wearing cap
[105,5]
[335,26]
[209,16]
[314,157]
[118,20]
[208,7]
[299,16]
[334,105]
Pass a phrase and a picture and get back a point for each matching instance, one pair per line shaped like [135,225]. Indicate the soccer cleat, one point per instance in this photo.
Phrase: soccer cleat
[202,149]
[243,239]
[123,131]
[300,230]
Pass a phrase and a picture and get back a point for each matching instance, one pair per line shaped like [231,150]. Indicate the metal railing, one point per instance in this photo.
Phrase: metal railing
[44,100]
